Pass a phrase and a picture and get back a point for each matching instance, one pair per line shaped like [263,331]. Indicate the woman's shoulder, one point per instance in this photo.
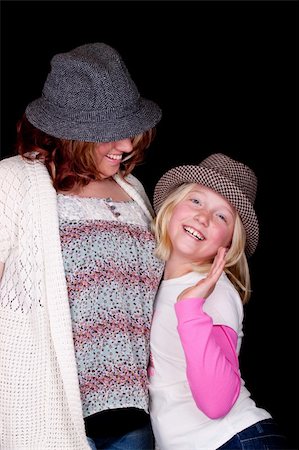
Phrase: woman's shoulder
[11,170]
[20,174]
[11,161]
[138,186]
[135,182]
[18,163]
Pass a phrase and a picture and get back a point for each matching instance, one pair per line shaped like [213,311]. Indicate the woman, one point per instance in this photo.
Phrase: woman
[76,260]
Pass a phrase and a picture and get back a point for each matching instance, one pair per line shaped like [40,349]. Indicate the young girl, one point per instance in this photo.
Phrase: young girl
[205,227]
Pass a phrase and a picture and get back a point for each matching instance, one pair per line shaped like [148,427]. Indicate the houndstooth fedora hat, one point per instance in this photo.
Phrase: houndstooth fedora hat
[90,96]
[232,179]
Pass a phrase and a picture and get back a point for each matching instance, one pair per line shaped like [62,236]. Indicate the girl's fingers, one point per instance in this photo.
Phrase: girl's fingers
[206,286]
[218,263]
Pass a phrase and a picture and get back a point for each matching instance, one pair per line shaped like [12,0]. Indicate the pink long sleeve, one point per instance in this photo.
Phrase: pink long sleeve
[212,362]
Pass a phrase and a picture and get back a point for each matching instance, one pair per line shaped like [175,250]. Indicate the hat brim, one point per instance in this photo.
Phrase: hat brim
[208,177]
[91,126]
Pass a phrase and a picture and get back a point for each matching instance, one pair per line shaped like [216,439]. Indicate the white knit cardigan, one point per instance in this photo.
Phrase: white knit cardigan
[40,406]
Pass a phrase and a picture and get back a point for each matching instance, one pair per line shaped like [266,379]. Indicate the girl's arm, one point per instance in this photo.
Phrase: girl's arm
[212,362]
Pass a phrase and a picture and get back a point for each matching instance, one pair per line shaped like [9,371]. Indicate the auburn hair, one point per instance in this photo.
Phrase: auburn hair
[73,161]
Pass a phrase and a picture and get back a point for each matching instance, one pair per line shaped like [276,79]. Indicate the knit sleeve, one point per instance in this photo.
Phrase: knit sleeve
[9,194]
[211,359]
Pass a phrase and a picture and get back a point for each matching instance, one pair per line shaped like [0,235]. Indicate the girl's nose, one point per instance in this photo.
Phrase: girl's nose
[124,145]
[203,216]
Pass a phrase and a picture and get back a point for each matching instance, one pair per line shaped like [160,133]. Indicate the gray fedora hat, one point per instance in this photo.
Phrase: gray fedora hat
[232,179]
[90,96]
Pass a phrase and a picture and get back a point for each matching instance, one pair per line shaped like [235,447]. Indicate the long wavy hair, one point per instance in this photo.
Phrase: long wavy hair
[236,266]
[73,161]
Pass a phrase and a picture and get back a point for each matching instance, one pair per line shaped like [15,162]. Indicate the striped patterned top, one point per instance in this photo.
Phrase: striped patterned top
[112,278]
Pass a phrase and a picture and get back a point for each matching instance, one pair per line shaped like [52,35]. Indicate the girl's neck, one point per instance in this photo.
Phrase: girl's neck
[175,270]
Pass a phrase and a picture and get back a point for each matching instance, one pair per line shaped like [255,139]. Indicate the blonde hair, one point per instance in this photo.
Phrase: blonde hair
[236,266]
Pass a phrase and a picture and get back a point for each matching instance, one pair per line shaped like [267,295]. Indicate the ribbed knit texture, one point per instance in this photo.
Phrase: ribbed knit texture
[40,405]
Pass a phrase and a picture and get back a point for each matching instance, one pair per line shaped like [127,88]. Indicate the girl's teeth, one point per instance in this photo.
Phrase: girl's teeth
[194,233]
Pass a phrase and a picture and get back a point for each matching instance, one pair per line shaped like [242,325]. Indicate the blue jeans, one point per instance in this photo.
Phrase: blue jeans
[263,435]
[140,439]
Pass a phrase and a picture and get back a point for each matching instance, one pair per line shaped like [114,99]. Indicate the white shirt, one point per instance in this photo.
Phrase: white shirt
[177,422]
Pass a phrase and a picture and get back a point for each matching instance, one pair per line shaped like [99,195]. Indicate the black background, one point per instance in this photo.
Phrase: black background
[224,74]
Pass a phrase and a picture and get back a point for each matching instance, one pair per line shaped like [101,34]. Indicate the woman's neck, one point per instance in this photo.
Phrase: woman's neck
[100,189]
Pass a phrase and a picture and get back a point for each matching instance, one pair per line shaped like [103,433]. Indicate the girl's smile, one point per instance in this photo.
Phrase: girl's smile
[200,223]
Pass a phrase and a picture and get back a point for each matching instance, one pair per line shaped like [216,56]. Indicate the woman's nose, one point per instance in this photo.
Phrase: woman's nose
[124,145]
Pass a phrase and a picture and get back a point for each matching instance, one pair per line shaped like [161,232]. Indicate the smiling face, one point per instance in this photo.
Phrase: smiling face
[108,156]
[200,223]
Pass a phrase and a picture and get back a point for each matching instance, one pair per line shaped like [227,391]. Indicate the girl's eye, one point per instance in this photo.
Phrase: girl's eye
[222,217]
[196,201]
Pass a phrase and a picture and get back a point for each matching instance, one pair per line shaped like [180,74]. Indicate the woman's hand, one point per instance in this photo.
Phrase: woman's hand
[205,287]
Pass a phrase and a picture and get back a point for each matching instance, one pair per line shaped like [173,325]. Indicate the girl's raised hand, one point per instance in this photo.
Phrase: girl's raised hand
[205,287]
